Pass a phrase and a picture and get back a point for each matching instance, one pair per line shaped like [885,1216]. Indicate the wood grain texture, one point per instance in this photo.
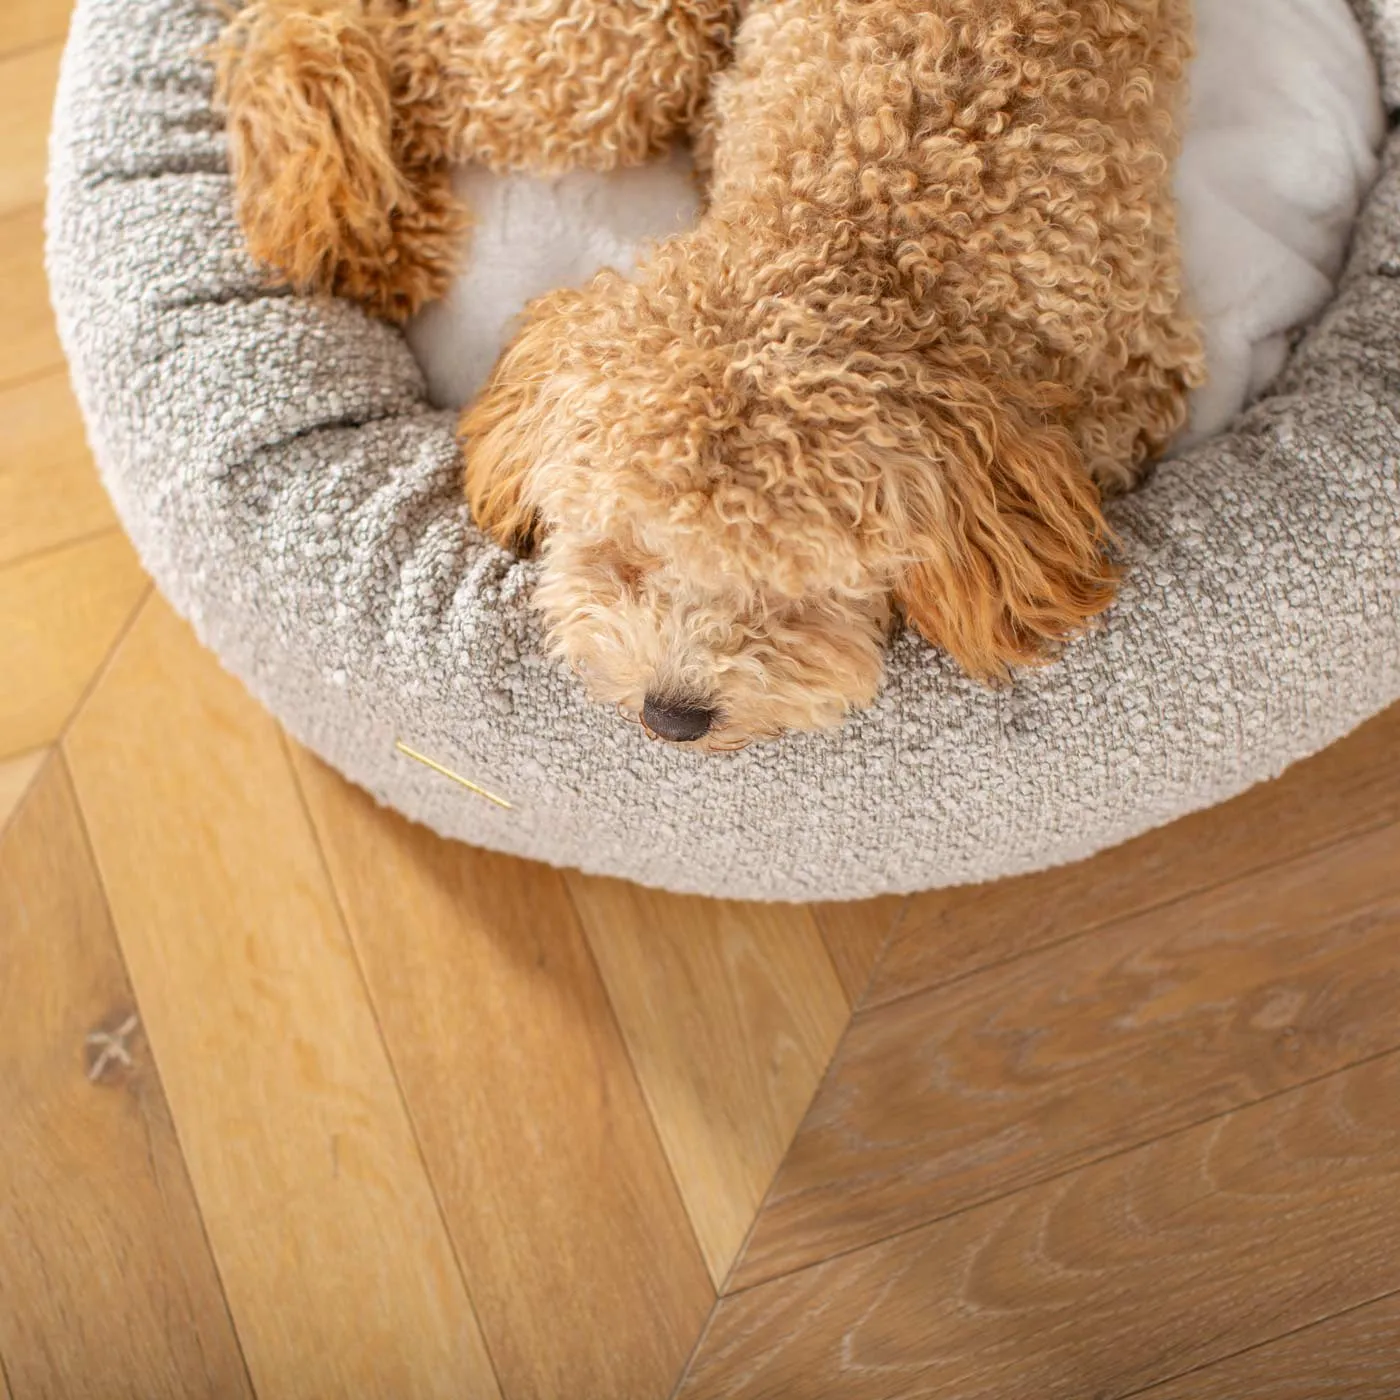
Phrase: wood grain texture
[731,1012]
[1212,1256]
[106,1282]
[337,1267]
[60,612]
[24,23]
[49,490]
[1352,1357]
[1133,1030]
[1347,788]
[575,1243]
[28,338]
[1101,1282]
[16,774]
[27,82]
[855,935]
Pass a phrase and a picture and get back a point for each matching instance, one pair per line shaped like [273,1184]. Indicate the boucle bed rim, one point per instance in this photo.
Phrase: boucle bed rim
[276,463]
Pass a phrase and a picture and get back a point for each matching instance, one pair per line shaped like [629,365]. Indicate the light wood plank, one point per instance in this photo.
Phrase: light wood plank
[24,23]
[731,1012]
[16,774]
[1353,1357]
[27,82]
[59,615]
[338,1269]
[106,1282]
[949,933]
[576,1246]
[29,343]
[855,934]
[970,1090]
[1100,1282]
[49,490]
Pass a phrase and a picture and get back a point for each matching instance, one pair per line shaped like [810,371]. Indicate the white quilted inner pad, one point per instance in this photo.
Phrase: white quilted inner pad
[1280,142]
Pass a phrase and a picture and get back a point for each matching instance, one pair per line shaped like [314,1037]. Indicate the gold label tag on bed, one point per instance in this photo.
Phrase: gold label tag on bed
[448,773]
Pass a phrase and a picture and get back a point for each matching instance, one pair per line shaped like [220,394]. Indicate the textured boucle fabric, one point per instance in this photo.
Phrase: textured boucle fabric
[277,464]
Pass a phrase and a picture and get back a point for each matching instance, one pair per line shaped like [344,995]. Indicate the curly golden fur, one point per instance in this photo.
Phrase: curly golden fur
[933,306]
[345,116]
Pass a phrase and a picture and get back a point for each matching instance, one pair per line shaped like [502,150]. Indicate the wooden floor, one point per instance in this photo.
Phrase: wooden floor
[297,1100]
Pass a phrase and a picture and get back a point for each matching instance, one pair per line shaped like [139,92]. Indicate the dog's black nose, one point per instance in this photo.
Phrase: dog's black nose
[680,721]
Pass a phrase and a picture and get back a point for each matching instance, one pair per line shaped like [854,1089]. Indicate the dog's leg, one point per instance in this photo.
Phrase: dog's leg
[345,115]
[331,193]
[1129,422]
[557,84]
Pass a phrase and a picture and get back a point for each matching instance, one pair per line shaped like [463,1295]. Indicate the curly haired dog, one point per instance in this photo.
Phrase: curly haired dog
[933,307]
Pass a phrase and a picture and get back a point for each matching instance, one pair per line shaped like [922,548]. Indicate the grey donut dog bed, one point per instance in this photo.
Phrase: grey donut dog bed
[276,462]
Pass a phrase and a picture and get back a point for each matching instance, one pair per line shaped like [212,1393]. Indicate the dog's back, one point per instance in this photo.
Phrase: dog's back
[997,175]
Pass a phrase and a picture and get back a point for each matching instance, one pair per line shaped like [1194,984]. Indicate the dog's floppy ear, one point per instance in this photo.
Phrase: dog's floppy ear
[1002,529]
[505,434]
[499,465]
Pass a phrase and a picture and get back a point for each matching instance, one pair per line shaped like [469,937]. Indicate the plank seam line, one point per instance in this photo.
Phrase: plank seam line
[822,1082]
[33,46]
[21,210]
[34,376]
[90,846]
[1258,1346]
[43,553]
[886,938]
[5,1384]
[347,929]
[44,751]
[1306,853]
[100,674]
[637,1079]
[1391,1051]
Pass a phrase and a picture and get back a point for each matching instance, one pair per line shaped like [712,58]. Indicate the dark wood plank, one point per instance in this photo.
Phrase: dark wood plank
[1100,1282]
[1353,1357]
[571,1232]
[107,1286]
[970,1090]
[855,934]
[1348,788]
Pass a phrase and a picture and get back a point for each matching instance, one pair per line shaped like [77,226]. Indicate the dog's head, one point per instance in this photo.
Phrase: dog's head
[728,520]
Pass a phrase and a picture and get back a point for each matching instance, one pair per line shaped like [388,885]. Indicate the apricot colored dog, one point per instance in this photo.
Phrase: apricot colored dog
[932,309]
